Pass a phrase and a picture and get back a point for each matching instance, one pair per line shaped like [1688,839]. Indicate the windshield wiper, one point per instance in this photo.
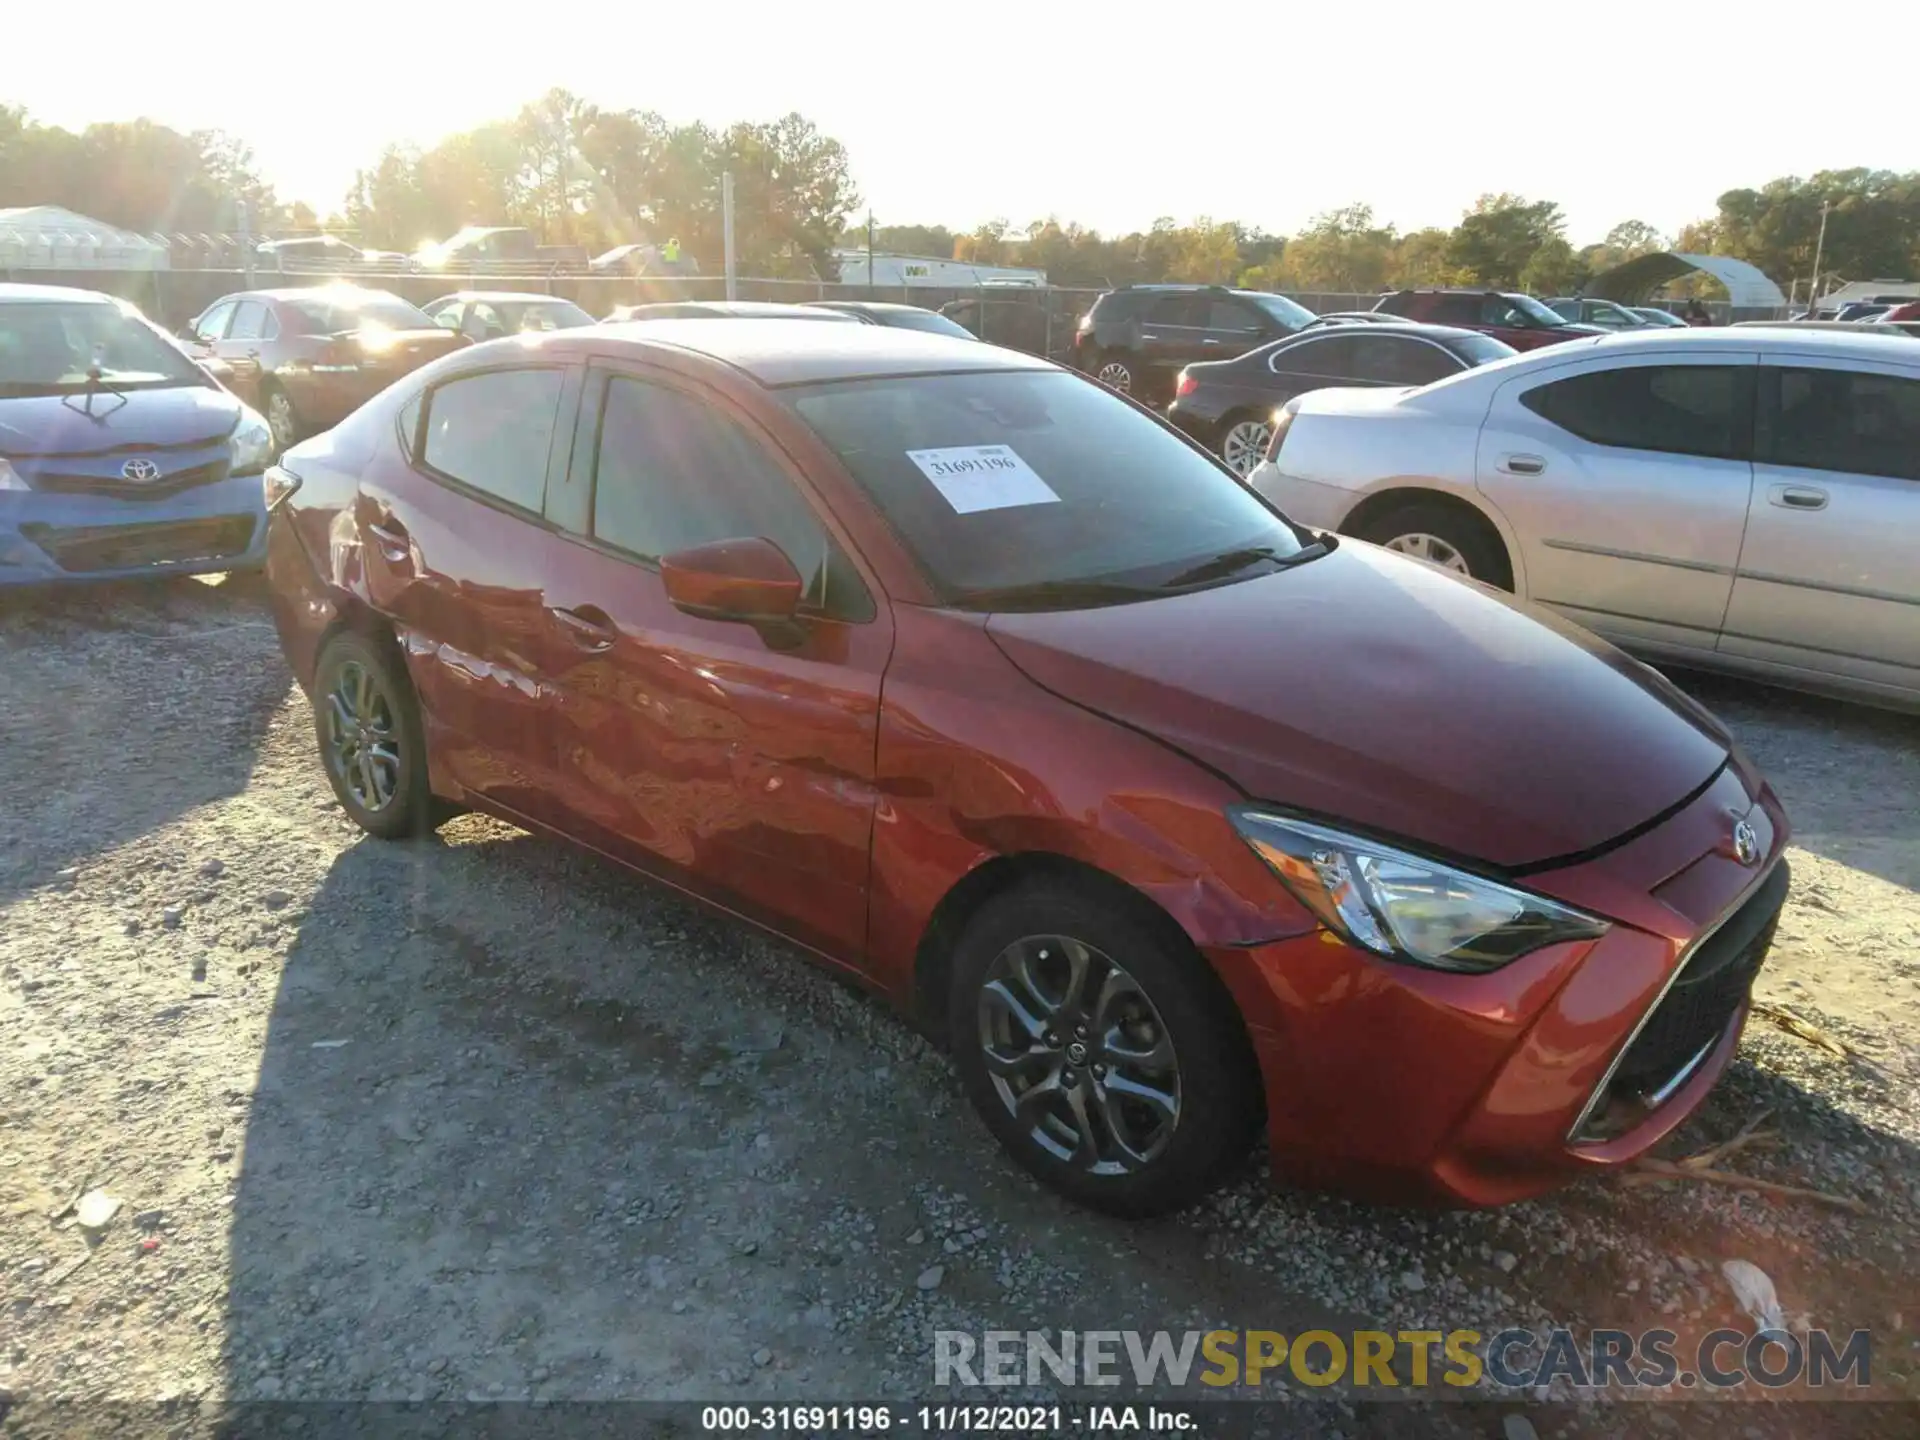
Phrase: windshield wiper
[1233,561]
[1044,594]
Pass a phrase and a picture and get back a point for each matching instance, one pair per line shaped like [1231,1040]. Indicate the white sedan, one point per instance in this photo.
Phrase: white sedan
[1735,499]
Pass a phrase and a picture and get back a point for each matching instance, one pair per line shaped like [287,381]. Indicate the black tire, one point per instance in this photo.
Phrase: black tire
[1473,540]
[1214,1081]
[1114,369]
[406,806]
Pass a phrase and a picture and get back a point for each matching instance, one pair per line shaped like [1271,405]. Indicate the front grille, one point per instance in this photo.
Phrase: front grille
[121,488]
[80,550]
[1685,1023]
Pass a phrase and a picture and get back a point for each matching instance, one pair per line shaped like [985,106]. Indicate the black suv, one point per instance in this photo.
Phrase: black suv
[1138,338]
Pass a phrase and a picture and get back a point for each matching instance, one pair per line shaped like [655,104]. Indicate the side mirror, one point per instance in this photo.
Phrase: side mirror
[748,580]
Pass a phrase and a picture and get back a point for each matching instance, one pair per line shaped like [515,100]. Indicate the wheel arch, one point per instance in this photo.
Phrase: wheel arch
[1395,497]
[933,958]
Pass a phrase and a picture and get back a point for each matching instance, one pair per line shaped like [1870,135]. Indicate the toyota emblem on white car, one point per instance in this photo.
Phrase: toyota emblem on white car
[140,470]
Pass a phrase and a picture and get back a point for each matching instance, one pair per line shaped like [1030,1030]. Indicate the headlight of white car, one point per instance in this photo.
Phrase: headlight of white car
[252,443]
[1403,906]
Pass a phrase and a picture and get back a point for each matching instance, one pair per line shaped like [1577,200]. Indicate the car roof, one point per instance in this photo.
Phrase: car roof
[21,293]
[871,307]
[776,353]
[1415,328]
[729,309]
[1850,344]
[307,292]
[530,297]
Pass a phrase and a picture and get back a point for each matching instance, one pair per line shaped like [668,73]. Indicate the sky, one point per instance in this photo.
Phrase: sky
[1264,113]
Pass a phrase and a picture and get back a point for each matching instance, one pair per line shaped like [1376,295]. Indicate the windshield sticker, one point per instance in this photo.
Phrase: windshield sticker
[973,478]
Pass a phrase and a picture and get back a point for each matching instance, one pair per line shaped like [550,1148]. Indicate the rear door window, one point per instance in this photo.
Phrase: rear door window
[1395,360]
[1187,310]
[1674,409]
[492,431]
[1332,358]
[1851,422]
[249,321]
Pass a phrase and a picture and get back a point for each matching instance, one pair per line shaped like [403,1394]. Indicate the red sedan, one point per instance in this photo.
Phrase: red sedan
[984,685]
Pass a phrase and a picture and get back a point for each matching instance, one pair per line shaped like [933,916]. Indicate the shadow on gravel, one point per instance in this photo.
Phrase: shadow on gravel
[1850,775]
[525,1126]
[121,708]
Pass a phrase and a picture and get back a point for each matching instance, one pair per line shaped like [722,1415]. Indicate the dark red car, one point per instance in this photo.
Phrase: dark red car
[308,358]
[986,687]
[1510,316]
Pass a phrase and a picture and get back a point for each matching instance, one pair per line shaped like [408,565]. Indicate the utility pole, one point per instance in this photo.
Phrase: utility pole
[869,252]
[726,231]
[1819,247]
[246,240]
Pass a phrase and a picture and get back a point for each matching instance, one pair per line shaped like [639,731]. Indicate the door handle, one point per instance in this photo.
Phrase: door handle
[1209,341]
[587,626]
[1797,497]
[1523,464]
[391,536]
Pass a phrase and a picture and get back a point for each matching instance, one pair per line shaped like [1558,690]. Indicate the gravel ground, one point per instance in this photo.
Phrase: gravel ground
[483,1117]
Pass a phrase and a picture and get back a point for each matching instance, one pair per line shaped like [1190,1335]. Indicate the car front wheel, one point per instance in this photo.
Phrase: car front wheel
[1100,1050]
[1243,445]
[1443,535]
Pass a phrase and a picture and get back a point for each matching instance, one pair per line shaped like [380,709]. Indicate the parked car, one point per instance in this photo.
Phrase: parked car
[1520,320]
[1737,499]
[986,688]
[1014,317]
[1138,338]
[1604,313]
[516,246]
[900,317]
[315,251]
[1654,315]
[642,258]
[1228,405]
[1352,317]
[1906,311]
[119,455]
[489,314]
[315,354]
[723,310]
[1862,309]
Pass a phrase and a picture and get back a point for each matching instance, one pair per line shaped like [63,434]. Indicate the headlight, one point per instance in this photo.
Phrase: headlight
[1404,907]
[252,443]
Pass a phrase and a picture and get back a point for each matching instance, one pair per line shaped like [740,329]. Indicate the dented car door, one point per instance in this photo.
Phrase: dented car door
[456,554]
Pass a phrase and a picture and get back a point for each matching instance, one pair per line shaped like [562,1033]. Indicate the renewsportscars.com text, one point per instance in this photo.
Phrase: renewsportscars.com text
[1411,1358]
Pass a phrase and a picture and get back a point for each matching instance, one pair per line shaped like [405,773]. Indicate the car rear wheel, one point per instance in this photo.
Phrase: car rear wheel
[1243,444]
[371,742]
[1113,370]
[1101,1053]
[1445,536]
[281,418]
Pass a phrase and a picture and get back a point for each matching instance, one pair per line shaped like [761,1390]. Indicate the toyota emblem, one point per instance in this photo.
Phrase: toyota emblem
[1746,843]
[140,470]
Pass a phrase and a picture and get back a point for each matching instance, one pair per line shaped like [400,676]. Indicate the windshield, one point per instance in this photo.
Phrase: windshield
[1278,307]
[928,321]
[331,314]
[1536,312]
[1030,489]
[1481,349]
[545,315]
[50,348]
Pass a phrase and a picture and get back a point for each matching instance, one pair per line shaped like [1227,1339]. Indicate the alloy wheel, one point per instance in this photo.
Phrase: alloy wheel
[1118,376]
[1079,1055]
[1245,446]
[1432,549]
[363,740]
[281,421]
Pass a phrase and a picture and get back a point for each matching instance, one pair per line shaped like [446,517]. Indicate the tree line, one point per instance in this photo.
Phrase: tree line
[578,173]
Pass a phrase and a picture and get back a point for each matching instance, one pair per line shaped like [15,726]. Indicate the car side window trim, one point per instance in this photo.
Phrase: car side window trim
[563,423]
[1323,337]
[582,457]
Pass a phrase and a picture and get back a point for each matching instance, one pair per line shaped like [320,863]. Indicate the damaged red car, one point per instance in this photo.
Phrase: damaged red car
[985,686]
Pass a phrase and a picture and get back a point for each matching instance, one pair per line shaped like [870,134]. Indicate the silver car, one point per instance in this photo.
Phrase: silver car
[1740,500]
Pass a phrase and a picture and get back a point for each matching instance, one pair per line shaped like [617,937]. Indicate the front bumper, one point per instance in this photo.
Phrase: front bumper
[1396,1084]
[69,538]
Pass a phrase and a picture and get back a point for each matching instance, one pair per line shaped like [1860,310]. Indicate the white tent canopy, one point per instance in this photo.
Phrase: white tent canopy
[46,237]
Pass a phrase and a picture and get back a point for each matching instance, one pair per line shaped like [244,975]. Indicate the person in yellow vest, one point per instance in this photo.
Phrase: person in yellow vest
[670,252]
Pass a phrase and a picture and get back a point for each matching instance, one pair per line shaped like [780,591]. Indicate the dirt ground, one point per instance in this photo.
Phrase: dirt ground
[484,1117]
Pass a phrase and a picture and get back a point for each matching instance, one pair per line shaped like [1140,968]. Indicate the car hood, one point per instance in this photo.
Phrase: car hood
[1375,690]
[180,416]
